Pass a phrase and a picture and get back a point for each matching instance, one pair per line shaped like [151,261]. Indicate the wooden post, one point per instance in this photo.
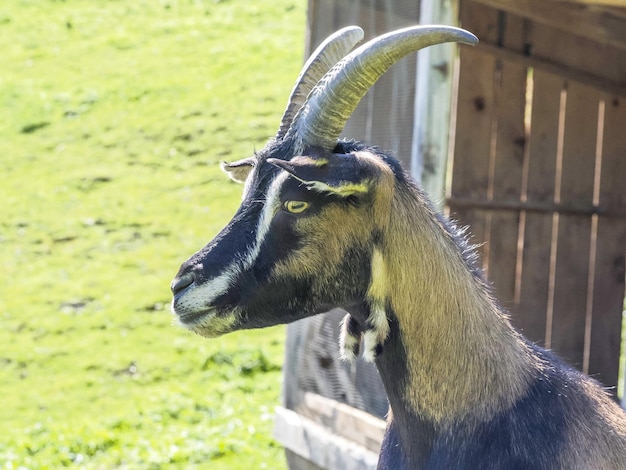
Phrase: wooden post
[431,131]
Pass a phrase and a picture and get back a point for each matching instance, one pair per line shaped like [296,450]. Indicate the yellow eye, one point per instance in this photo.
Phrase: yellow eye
[295,207]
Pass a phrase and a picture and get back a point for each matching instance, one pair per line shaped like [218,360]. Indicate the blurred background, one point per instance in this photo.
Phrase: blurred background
[114,116]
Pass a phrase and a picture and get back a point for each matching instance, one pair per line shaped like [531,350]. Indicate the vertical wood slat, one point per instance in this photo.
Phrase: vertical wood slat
[611,247]
[508,162]
[613,176]
[531,311]
[490,142]
[570,288]
[534,292]
[475,107]
[544,131]
[469,172]
[474,120]
[576,188]
[608,300]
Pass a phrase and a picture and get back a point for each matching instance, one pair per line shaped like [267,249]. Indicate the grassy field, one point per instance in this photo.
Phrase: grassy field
[113,117]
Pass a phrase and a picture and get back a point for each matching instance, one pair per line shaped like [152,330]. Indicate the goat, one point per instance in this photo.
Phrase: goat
[328,223]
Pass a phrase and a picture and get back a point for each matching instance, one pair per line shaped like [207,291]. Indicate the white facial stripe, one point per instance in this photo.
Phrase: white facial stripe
[272,205]
[205,294]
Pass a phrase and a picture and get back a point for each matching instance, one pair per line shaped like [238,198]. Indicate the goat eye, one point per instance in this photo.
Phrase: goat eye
[295,207]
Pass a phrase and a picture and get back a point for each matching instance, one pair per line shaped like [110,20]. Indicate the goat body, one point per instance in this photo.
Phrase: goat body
[326,223]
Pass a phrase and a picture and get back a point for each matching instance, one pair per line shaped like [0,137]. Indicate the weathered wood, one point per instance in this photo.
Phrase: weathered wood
[578,208]
[510,133]
[328,435]
[615,3]
[507,162]
[575,185]
[537,204]
[531,311]
[579,145]
[608,300]
[617,86]
[612,194]
[433,104]
[599,25]
[567,337]
[358,426]
[544,133]
[608,289]
[580,54]
[474,125]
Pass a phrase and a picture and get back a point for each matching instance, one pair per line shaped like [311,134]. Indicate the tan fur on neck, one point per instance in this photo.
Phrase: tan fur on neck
[463,355]
[464,358]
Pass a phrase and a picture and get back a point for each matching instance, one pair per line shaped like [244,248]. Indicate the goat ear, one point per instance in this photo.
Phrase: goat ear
[238,171]
[341,176]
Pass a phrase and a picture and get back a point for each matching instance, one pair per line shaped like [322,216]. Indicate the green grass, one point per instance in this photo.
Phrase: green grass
[113,117]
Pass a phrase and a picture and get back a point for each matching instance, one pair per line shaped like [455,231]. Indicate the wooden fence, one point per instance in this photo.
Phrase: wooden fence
[539,173]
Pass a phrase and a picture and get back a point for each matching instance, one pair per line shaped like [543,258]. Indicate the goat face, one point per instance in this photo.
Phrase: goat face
[306,230]
[302,240]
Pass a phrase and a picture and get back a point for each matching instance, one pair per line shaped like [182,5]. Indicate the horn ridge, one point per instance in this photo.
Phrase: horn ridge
[329,105]
[327,54]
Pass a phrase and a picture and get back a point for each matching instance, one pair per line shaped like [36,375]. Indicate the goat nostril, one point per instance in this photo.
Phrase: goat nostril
[182,282]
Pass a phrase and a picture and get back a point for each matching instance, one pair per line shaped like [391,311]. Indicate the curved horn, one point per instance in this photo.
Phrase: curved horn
[327,109]
[327,54]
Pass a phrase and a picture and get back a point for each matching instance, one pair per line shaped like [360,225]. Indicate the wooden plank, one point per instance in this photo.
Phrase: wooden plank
[581,58]
[610,85]
[570,289]
[534,285]
[503,254]
[475,107]
[316,444]
[473,125]
[576,187]
[343,420]
[506,179]
[579,145]
[544,132]
[435,95]
[530,312]
[602,3]
[510,136]
[507,162]
[481,20]
[608,288]
[608,301]
[612,194]
[602,26]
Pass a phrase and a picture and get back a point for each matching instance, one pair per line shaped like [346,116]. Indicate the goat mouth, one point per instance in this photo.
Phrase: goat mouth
[209,323]
[191,318]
